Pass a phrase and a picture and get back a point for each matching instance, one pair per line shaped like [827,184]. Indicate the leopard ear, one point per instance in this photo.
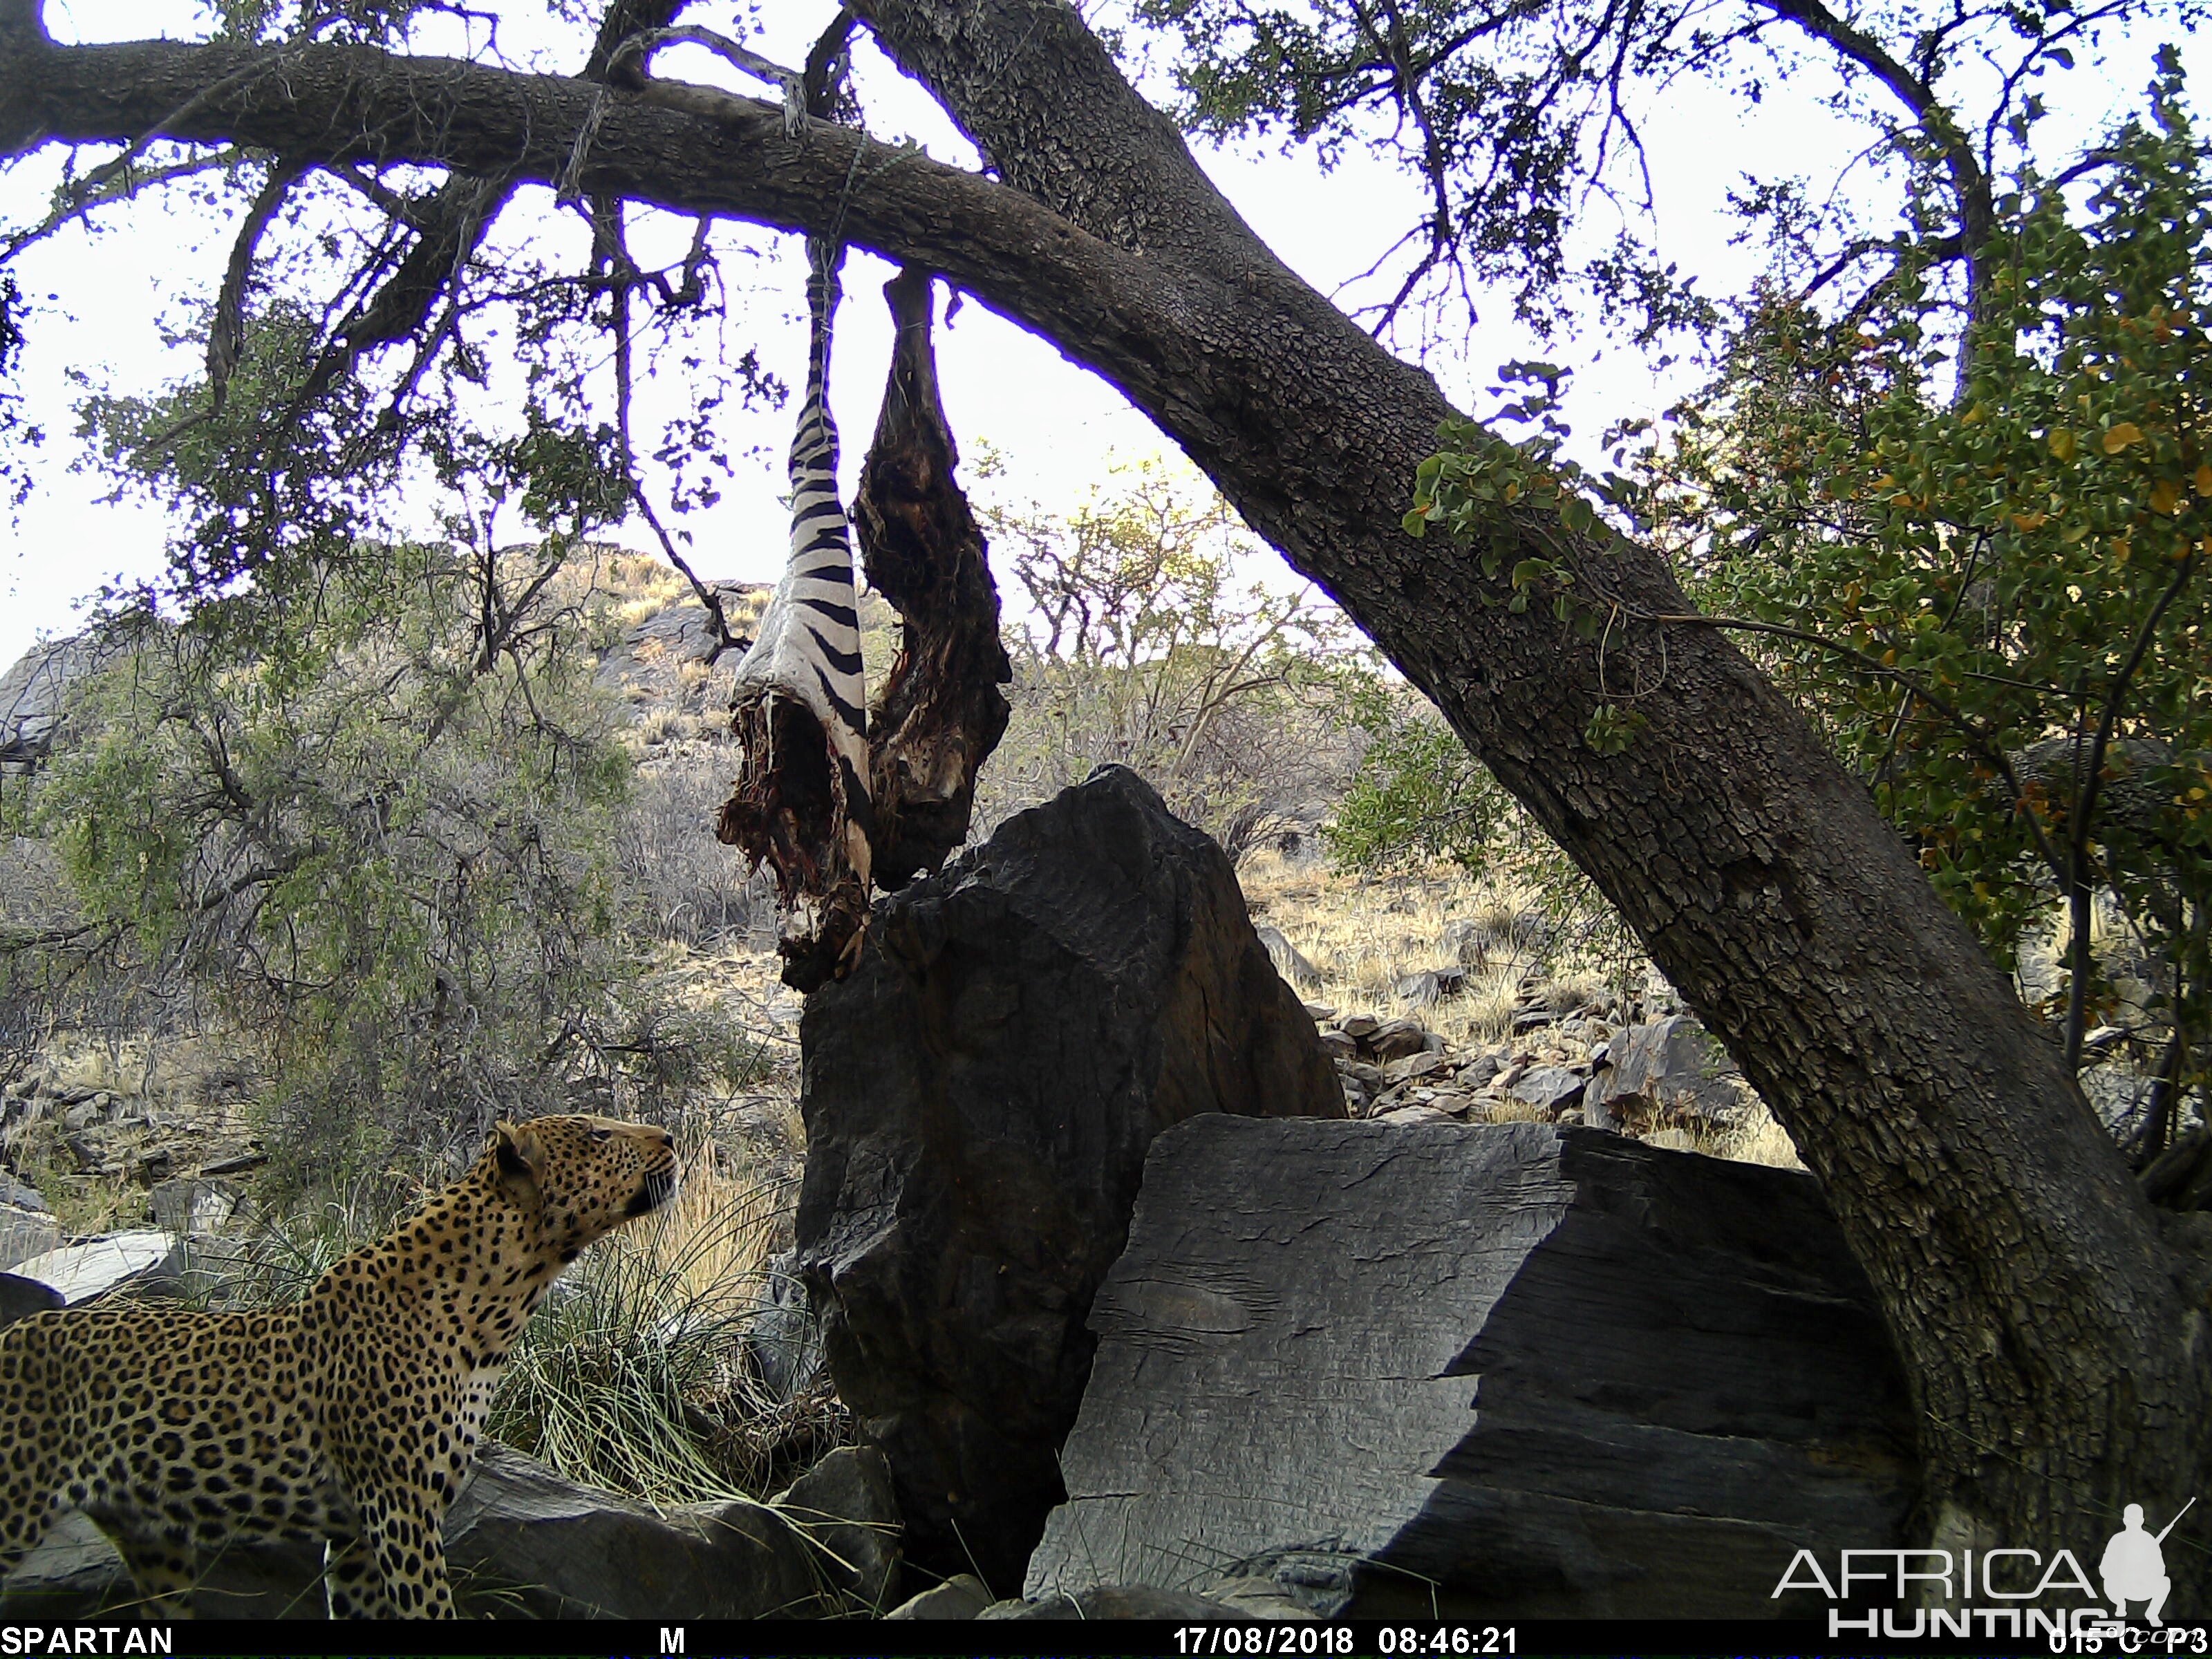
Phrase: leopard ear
[519,1157]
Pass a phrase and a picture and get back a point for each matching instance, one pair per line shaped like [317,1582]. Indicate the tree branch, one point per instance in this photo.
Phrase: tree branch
[2085,803]
[227,332]
[1969,183]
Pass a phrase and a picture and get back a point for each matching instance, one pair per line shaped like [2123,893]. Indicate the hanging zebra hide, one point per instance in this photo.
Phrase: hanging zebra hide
[939,713]
[800,802]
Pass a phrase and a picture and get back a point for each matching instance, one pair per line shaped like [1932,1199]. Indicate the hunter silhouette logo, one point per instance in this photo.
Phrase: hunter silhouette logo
[2134,1567]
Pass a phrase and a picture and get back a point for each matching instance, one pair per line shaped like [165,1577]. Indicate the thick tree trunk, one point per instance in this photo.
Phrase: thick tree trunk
[2053,1353]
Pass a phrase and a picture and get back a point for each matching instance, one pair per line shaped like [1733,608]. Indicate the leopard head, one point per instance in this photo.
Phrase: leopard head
[579,1178]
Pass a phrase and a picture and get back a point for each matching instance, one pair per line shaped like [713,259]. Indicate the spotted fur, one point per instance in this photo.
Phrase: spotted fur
[353,1417]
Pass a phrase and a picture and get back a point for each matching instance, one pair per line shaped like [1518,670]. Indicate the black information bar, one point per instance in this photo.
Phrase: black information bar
[2081,1631]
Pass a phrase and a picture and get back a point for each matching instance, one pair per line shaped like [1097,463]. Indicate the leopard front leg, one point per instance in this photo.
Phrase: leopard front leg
[161,1560]
[353,1587]
[403,1525]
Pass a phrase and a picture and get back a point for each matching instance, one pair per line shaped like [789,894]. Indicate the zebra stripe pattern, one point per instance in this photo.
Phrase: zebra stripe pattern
[809,643]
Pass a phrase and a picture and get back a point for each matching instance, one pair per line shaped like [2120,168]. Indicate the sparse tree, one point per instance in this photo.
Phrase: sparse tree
[1143,643]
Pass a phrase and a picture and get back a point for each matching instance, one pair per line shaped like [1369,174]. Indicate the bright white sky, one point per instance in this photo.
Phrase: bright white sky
[1058,429]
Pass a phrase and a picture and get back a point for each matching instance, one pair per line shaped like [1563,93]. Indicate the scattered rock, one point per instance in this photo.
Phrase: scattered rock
[979,1095]
[1288,962]
[1548,1088]
[1479,1071]
[1396,1040]
[21,1297]
[28,1227]
[1409,1115]
[1322,1012]
[1586,1378]
[1433,986]
[1427,1063]
[235,1164]
[1360,1027]
[962,1597]
[1337,1045]
[1668,1072]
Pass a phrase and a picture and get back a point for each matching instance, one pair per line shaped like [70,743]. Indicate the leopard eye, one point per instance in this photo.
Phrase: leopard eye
[603,1134]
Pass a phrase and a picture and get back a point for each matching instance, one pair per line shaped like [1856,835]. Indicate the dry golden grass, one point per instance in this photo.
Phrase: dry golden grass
[1758,1139]
[119,1070]
[711,1242]
[1510,1110]
[1363,935]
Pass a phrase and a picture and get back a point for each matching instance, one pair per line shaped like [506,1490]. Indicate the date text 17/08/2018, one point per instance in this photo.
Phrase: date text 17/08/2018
[1325,1640]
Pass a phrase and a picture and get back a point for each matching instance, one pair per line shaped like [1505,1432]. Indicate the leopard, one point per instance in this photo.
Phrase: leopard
[352,1416]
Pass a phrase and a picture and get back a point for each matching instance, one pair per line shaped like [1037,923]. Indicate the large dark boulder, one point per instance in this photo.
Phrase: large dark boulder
[524,1537]
[979,1096]
[1511,1371]
[21,1297]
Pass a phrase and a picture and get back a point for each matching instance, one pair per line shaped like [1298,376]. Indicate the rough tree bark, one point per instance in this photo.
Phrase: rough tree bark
[939,713]
[2054,1350]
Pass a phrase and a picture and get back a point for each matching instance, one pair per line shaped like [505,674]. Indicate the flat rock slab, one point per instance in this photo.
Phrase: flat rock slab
[138,1261]
[1513,1371]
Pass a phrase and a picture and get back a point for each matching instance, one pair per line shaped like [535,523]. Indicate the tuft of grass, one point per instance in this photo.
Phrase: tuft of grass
[1487,1006]
[1570,991]
[118,1068]
[634,1377]
[1507,1110]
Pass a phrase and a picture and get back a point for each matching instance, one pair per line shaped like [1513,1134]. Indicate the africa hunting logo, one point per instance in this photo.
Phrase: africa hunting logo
[1937,1592]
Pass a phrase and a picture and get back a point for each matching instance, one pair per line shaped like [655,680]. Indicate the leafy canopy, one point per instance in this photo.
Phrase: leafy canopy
[1980,569]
